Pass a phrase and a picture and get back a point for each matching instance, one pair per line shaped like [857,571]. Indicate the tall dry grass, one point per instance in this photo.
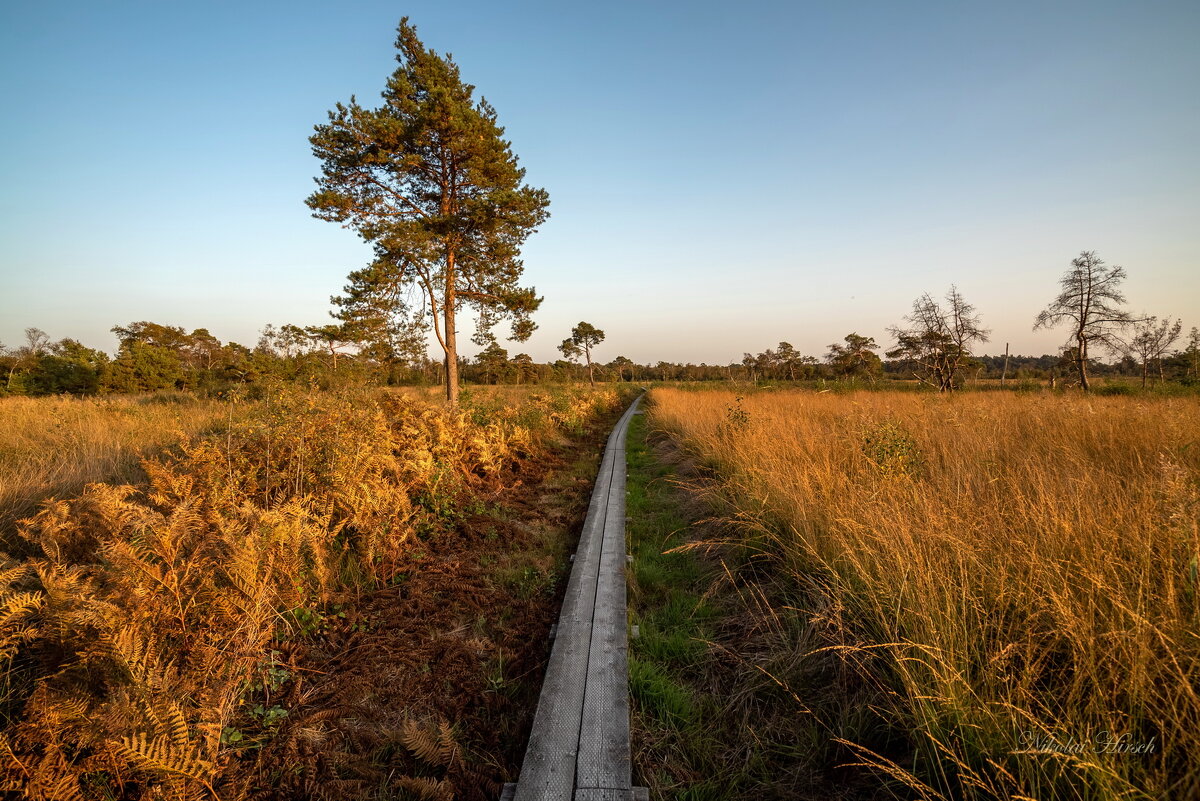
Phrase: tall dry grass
[54,446]
[1011,578]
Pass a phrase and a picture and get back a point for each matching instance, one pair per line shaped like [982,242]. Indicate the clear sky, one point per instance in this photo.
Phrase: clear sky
[722,176]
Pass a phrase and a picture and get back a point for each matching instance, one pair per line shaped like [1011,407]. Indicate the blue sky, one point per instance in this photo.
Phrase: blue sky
[721,178]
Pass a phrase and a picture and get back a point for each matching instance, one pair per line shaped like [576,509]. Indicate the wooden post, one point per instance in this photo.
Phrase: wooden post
[1004,374]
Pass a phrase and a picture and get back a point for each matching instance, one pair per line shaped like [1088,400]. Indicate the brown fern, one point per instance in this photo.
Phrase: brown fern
[427,789]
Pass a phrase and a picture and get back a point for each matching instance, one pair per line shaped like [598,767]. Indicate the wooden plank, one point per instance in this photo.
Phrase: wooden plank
[604,751]
[603,794]
[584,651]
[604,757]
[548,770]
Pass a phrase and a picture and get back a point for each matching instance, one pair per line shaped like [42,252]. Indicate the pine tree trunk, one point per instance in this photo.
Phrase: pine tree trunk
[451,339]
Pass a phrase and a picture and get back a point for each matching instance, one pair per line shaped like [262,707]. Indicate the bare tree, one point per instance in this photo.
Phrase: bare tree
[938,342]
[1150,341]
[1089,302]
[37,342]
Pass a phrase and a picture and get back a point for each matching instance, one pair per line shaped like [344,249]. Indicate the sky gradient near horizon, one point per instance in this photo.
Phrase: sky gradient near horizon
[720,180]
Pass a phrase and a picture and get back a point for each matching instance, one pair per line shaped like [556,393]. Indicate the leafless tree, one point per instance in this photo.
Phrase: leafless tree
[1150,341]
[1090,303]
[938,340]
[37,342]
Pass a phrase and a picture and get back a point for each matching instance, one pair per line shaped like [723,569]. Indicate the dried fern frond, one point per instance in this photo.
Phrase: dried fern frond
[138,652]
[48,777]
[66,708]
[172,724]
[423,741]
[160,755]
[448,749]
[433,744]
[54,787]
[15,609]
[427,789]
[12,573]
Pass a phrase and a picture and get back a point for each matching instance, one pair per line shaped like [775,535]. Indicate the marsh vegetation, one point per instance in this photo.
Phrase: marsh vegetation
[985,596]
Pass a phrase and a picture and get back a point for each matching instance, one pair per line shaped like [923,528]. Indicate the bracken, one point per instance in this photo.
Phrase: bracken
[149,615]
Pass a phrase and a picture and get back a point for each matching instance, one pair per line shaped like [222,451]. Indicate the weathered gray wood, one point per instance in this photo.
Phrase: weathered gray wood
[580,737]
[603,760]
[607,794]
[603,794]
[548,770]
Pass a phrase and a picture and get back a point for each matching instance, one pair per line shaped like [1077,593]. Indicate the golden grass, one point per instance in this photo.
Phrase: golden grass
[1015,575]
[55,446]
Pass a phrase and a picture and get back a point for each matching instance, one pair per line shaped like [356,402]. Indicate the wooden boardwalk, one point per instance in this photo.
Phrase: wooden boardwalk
[579,747]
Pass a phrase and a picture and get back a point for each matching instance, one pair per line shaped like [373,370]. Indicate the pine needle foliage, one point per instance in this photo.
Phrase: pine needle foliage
[428,179]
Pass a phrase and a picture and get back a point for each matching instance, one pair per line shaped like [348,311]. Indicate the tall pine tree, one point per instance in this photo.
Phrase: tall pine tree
[428,179]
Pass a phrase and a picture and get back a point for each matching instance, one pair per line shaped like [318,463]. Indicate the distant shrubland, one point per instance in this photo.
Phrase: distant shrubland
[152,357]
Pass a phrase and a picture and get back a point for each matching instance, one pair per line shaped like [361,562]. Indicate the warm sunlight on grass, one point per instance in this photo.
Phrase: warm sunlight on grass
[53,446]
[142,638]
[1004,574]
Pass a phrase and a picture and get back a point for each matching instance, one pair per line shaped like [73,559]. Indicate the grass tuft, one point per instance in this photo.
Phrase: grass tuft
[984,596]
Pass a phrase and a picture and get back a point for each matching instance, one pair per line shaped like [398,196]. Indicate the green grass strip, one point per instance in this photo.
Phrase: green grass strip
[678,726]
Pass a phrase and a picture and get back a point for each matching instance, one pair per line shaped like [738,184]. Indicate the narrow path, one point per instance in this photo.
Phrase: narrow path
[579,746]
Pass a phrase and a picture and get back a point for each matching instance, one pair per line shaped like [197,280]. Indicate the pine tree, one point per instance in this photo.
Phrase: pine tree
[584,337]
[428,179]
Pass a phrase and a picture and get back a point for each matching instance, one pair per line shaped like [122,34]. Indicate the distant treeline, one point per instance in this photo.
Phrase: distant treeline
[154,357]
